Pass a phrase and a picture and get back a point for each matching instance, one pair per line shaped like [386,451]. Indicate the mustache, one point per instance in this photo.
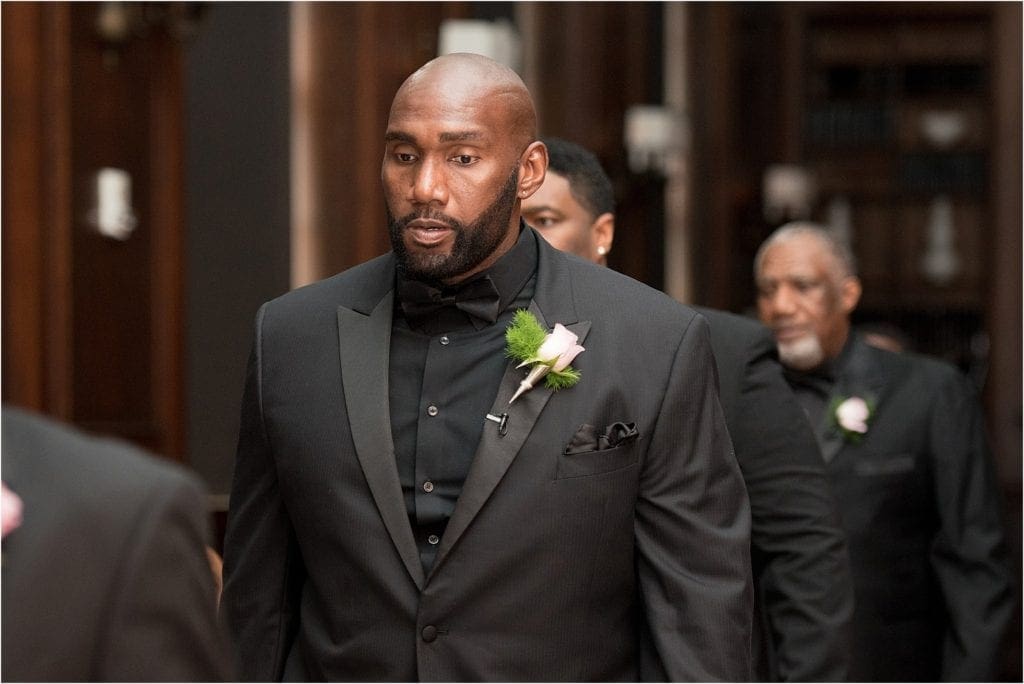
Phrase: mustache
[431,215]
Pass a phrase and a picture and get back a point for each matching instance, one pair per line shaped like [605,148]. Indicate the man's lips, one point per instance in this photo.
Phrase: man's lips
[428,232]
[788,332]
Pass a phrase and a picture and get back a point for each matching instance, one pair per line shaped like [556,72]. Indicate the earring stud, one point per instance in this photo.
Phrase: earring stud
[602,250]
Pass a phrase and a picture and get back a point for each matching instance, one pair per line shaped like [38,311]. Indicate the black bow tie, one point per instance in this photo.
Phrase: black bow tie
[820,379]
[421,302]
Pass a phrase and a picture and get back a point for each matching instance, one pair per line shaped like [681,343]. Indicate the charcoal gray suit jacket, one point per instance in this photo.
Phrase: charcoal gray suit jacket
[799,554]
[552,562]
[107,578]
[919,501]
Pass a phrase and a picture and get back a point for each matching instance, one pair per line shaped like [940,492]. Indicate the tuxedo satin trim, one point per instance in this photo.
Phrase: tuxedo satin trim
[365,344]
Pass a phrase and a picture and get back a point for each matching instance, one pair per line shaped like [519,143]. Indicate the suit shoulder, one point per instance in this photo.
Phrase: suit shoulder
[732,322]
[921,367]
[737,337]
[353,287]
[73,463]
[605,290]
[936,372]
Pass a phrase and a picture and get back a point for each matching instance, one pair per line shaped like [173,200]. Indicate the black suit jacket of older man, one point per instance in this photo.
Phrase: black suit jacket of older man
[107,578]
[551,562]
[800,560]
[918,499]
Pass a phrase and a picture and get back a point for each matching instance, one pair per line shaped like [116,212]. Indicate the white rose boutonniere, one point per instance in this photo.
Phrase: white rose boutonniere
[549,354]
[851,416]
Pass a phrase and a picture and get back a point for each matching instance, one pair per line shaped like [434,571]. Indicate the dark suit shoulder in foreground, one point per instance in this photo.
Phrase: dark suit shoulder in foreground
[106,578]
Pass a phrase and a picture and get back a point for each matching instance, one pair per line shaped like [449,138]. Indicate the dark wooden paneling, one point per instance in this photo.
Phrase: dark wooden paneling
[93,333]
[356,56]
[594,62]
[36,206]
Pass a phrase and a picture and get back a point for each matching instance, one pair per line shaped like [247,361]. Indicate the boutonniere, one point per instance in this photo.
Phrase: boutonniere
[548,353]
[851,416]
[10,510]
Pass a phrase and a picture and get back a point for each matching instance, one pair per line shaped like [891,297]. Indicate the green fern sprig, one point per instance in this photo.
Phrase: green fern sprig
[524,336]
[563,379]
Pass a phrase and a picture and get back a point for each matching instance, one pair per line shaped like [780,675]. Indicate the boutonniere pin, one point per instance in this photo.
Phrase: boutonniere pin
[548,353]
[852,415]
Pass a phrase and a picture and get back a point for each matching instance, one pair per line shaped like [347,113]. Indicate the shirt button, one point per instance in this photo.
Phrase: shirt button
[444,339]
[428,486]
[431,410]
[429,633]
[433,539]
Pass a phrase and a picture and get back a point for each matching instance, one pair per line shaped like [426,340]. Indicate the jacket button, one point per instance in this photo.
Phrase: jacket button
[429,633]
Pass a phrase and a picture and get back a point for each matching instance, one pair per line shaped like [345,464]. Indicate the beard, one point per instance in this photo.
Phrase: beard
[802,354]
[474,242]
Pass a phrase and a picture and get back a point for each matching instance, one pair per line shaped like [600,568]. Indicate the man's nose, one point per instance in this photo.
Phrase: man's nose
[429,185]
[783,301]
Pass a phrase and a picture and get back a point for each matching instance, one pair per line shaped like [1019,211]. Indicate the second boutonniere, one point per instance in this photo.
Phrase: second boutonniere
[548,353]
[851,416]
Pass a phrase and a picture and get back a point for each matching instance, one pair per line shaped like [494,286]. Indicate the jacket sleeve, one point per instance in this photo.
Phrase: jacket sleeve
[969,555]
[262,568]
[693,529]
[799,553]
[163,617]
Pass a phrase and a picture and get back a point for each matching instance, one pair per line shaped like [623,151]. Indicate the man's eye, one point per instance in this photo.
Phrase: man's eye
[405,157]
[540,222]
[804,286]
[464,159]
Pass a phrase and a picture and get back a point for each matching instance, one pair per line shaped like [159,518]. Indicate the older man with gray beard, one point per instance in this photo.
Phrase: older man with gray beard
[904,443]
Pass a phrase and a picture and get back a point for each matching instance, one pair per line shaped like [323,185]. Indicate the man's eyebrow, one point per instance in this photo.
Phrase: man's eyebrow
[459,136]
[539,208]
[399,136]
[446,137]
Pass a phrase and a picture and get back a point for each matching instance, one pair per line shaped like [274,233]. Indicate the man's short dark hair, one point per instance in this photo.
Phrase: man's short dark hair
[588,183]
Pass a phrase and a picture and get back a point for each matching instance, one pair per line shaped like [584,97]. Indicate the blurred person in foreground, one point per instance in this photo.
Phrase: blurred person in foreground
[396,516]
[904,444]
[105,572]
[800,564]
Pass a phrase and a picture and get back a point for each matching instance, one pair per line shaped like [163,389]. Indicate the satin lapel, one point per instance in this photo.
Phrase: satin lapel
[365,348]
[495,452]
[830,439]
[860,377]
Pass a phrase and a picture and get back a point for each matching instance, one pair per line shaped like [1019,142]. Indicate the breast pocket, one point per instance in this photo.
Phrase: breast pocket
[593,451]
[884,466]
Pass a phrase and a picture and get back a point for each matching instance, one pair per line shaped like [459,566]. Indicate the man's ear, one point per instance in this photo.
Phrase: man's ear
[604,231]
[849,294]
[533,165]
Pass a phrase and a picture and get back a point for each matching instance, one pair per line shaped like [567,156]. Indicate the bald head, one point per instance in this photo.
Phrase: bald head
[460,155]
[463,80]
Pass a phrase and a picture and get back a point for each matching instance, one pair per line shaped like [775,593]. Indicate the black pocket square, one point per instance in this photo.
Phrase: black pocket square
[587,438]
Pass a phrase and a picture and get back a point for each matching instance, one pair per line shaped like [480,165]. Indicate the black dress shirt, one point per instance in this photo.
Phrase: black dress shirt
[814,387]
[442,380]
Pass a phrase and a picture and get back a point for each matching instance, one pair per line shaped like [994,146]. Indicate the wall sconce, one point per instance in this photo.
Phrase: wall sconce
[495,39]
[655,139]
[112,214]
[940,262]
[789,192]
